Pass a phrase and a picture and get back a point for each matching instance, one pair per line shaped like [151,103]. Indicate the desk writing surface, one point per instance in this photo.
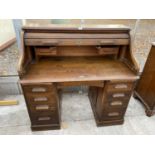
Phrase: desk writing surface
[77,69]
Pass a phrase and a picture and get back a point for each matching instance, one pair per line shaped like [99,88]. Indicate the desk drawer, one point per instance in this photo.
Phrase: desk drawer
[119,86]
[45,119]
[75,42]
[36,99]
[43,109]
[113,113]
[39,88]
[116,103]
[118,96]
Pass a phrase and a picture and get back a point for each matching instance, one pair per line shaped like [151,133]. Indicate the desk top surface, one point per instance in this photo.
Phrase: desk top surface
[77,69]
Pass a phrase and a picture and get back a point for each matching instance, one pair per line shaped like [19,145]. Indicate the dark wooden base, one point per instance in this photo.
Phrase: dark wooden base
[149,112]
[109,123]
[100,122]
[45,127]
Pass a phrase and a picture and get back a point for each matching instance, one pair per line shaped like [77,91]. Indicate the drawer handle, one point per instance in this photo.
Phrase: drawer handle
[118,95]
[113,114]
[40,99]
[38,89]
[44,118]
[114,103]
[42,107]
[120,86]
[45,107]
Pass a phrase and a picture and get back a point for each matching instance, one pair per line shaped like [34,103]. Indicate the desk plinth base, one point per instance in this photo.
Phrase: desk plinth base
[45,127]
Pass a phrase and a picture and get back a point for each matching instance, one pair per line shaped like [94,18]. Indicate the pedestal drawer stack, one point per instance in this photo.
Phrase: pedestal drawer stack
[112,101]
[43,105]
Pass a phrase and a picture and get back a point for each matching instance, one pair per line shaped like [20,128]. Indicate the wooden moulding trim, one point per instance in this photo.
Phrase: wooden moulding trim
[20,67]
[7,44]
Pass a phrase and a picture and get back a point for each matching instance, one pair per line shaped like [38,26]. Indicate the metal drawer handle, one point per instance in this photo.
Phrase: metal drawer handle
[120,86]
[113,114]
[38,89]
[118,95]
[114,103]
[45,107]
[40,99]
[42,107]
[44,118]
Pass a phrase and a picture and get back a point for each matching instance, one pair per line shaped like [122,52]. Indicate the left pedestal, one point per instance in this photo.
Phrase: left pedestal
[43,105]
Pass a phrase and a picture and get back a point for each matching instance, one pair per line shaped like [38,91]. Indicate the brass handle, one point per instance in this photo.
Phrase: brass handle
[39,99]
[113,114]
[42,107]
[118,95]
[119,86]
[38,89]
[44,118]
[115,103]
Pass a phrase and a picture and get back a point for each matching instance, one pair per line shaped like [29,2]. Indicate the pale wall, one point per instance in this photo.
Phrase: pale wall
[6,30]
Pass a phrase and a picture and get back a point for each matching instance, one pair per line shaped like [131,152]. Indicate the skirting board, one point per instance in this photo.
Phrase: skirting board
[7,44]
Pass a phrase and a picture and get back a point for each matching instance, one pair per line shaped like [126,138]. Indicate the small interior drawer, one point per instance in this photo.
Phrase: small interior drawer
[45,51]
[108,50]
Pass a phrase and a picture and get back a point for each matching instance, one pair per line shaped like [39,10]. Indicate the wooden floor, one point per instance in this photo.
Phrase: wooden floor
[77,69]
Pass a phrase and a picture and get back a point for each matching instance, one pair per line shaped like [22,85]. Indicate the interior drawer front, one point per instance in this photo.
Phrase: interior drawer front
[118,96]
[45,51]
[120,86]
[41,99]
[113,113]
[108,50]
[45,119]
[70,42]
[39,88]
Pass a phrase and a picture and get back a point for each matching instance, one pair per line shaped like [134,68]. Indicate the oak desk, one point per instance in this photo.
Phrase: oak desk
[58,56]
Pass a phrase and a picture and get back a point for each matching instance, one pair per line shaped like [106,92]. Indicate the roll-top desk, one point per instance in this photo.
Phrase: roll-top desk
[57,56]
